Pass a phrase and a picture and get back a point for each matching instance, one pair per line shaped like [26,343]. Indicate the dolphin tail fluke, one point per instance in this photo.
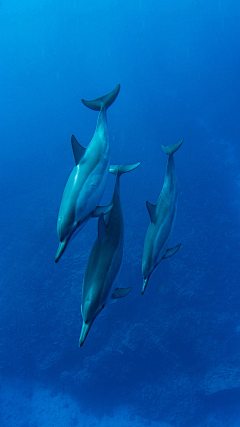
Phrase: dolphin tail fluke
[170,149]
[102,102]
[84,332]
[61,249]
[119,169]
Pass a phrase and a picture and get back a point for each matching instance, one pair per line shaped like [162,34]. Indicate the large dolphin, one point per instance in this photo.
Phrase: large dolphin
[104,260]
[86,184]
[162,216]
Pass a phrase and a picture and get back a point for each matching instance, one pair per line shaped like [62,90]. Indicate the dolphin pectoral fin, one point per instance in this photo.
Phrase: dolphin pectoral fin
[170,149]
[84,332]
[171,252]
[101,229]
[102,210]
[120,292]
[151,210]
[145,282]
[61,249]
[102,102]
[78,150]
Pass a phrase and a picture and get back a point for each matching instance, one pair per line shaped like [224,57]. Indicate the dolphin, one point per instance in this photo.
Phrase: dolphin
[104,260]
[162,216]
[86,184]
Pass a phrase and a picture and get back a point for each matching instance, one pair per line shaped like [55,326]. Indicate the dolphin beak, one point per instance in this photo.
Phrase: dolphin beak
[85,329]
[145,282]
[61,249]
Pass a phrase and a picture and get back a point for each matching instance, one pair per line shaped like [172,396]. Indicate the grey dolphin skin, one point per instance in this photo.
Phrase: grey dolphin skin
[162,216]
[86,184]
[104,260]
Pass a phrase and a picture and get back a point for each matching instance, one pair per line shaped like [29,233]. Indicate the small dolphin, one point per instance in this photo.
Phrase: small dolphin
[86,184]
[162,216]
[104,260]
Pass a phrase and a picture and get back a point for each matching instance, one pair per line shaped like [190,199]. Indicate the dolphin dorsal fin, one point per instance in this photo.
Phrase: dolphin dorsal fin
[120,292]
[151,210]
[78,150]
[101,229]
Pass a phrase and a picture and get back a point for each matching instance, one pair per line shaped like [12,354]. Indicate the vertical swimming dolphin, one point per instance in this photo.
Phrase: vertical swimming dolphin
[86,184]
[162,216]
[104,260]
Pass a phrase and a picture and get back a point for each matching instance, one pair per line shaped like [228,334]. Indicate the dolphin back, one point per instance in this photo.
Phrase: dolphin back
[102,102]
[171,149]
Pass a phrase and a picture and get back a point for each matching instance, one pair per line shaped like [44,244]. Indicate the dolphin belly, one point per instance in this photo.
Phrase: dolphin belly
[92,191]
[163,237]
[115,258]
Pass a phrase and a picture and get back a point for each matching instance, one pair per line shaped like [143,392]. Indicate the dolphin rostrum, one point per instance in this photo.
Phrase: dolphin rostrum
[162,216]
[104,260]
[86,184]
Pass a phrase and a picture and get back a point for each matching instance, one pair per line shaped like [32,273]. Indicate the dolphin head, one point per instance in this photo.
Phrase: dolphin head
[147,258]
[64,234]
[148,263]
[65,229]
[64,226]
[147,267]
[147,270]
[85,329]
[61,249]
[90,310]
[145,282]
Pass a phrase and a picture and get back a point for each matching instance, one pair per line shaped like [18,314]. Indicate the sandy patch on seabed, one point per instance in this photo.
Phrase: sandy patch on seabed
[29,405]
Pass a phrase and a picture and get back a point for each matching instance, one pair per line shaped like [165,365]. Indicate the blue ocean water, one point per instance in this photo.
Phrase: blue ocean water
[170,357]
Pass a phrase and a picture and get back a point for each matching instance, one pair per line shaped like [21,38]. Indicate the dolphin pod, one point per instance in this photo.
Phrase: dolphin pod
[104,260]
[162,217]
[87,182]
[80,202]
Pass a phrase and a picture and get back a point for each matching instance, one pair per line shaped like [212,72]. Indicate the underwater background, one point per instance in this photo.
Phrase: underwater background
[171,357]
